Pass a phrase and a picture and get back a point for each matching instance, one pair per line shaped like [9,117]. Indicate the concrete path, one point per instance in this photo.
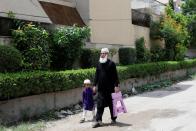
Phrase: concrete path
[170,109]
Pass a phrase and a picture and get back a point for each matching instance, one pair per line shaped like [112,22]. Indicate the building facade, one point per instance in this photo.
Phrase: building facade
[110,20]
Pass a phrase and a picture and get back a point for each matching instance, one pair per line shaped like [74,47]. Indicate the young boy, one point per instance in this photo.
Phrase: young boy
[87,99]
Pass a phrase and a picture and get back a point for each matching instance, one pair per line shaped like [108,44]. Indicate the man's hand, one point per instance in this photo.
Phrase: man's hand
[94,89]
[116,89]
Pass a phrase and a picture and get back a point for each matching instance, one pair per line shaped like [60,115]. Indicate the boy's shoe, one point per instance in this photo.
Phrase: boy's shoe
[82,120]
[97,124]
[94,118]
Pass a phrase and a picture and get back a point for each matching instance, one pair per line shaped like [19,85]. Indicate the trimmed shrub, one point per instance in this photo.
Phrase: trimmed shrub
[10,59]
[89,58]
[32,42]
[140,49]
[113,52]
[13,85]
[127,56]
[67,45]
[157,53]
[142,53]
[147,56]
[85,62]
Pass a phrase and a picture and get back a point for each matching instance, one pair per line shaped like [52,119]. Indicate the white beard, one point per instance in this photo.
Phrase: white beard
[103,60]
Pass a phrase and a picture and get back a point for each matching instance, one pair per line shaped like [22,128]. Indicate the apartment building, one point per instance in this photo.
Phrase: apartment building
[110,20]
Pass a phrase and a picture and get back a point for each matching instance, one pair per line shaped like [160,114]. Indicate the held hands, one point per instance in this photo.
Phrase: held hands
[94,89]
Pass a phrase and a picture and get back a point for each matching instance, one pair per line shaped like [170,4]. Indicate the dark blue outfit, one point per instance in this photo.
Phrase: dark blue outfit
[87,98]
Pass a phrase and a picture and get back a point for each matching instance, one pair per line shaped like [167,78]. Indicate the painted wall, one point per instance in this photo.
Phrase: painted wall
[82,7]
[140,31]
[110,21]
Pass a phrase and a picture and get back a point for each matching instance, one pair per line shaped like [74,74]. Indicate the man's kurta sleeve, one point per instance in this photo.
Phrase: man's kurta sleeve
[96,76]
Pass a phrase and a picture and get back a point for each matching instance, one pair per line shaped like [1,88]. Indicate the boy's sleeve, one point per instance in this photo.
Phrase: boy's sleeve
[83,96]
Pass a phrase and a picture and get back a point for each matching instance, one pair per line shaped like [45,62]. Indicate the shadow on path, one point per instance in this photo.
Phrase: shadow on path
[118,124]
[166,91]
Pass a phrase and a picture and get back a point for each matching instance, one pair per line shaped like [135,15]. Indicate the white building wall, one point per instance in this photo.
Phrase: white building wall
[140,31]
[110,21]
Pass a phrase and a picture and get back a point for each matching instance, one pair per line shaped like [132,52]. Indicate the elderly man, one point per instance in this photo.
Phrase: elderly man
[106,79]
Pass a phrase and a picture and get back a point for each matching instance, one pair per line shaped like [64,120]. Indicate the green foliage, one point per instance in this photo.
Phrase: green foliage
[173,28]
[140,49]
[192,28]
[171,4]
[142,53]
[155,32]
[180,52]
[189,7]
[174,32]
[158,53]
[147,56]
[156,85]
[113,51]
[67,45]
[32,42]
[89,58]
[32,83]
[187,24]
[10,59]
[95,57]
[11,14]
[17,23]
[13,85]
[127,56]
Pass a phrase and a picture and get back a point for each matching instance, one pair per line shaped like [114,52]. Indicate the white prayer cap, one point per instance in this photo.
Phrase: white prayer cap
[87,81]
[104,50]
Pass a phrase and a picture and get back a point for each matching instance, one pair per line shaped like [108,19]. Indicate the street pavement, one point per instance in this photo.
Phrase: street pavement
[169,109]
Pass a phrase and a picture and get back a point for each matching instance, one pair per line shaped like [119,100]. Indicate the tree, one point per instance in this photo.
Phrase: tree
[175,34]
[67,43]
[171,4]
[189,9]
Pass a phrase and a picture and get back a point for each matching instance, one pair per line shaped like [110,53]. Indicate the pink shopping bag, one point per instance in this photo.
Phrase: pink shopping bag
[118,104]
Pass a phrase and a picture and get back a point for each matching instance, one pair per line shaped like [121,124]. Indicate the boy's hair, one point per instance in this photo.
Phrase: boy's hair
[87,81]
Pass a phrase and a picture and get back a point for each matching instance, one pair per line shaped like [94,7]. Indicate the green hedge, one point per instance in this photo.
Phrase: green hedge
[10,59]
[89,58]
[142,53]
[32,42]
[13,85]
[127,55]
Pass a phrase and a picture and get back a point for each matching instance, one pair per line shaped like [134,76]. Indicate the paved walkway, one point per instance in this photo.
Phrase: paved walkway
[171,109]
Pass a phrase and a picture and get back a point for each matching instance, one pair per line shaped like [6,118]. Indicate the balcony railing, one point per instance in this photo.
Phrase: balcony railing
[141,19]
